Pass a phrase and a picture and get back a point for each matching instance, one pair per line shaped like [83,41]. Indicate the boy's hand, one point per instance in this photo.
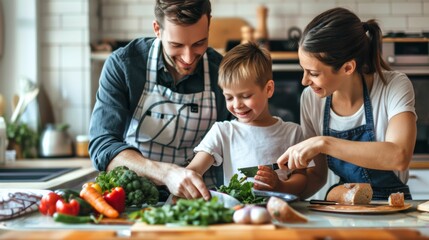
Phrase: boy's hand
[268,177]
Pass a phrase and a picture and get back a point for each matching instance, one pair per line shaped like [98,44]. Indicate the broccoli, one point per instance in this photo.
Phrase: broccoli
[139,190]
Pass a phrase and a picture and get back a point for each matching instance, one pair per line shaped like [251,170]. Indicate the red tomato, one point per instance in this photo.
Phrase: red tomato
[70,208]
[48,203]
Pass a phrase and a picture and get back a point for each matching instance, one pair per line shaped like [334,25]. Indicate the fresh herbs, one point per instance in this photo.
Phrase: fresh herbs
[241,190]
[23,139]
[194,212]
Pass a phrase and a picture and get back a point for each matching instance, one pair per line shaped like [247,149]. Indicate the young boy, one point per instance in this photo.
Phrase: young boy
[255,137]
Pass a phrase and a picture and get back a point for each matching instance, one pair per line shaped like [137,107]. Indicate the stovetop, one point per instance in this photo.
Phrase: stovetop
[406,35]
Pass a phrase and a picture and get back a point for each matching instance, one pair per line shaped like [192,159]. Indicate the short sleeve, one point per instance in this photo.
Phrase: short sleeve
[212,144]
[400,95]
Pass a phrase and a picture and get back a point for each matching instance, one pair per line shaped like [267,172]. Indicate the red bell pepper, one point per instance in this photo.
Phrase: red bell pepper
[70,208]
[48,203]
[116,198]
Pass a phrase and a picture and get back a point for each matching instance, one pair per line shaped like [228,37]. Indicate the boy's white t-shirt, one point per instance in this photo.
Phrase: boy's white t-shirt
[240,145]
[387,100]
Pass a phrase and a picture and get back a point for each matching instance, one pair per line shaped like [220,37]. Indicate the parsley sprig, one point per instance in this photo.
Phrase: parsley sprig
[241,190]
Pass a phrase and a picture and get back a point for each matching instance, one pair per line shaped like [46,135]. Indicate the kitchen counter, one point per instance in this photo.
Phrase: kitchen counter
[322,225]
[420,161]
[72,179]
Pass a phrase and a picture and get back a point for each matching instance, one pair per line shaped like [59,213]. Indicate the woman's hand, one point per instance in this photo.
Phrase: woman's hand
[300,155]
[268,177]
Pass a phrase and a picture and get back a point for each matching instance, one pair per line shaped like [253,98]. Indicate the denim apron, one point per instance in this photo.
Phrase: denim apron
[383,183]
[166,125]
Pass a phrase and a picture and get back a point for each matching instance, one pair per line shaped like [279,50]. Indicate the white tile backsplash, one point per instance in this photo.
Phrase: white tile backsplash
[72,57]
[315,8]
[50,22]
[382,8]
[65,36]
[64,6]
[75,21]
[115,10]
[124,25]
[69,36]
[393,23]
[73,88]
[50,57]
[141,10]
[418,22]
[407,8]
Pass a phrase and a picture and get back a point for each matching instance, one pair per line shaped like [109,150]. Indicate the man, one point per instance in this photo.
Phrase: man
[158,97]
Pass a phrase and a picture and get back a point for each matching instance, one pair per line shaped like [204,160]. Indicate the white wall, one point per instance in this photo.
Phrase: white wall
[19,59]
[132,18]
[65,60]
[8,76]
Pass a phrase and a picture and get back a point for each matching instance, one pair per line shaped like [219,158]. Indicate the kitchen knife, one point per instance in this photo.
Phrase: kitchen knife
[251,171]
[227,200]
[285,196]
[323,202]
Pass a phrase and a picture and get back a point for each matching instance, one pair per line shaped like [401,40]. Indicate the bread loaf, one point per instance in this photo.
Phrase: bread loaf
[351,193]
[396,199]
[283,212]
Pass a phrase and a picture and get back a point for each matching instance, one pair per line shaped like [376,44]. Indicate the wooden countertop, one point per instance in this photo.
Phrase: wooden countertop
[407,224]
[313,234]
[406,39]
[420,161]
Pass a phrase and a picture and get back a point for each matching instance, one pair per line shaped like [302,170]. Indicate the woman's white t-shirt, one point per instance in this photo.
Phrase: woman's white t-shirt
[387,100]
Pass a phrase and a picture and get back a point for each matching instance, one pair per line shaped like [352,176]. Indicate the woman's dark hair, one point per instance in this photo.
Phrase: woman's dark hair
[181,12]
[338,35]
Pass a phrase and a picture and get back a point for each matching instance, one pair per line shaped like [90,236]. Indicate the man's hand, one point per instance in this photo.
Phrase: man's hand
[186,183]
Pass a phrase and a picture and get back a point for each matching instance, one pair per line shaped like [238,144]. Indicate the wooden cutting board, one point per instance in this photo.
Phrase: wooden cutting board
[423,207]
[370,208]
[143,227]
[224,29]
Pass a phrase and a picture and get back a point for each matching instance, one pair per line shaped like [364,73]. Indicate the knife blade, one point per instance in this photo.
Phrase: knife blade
[251,171]
[323,202]
[227,200]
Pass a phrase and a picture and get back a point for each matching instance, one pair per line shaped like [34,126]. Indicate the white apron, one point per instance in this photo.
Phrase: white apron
[166,125]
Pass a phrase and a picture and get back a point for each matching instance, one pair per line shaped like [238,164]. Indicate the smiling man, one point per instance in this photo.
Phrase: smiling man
[158,97]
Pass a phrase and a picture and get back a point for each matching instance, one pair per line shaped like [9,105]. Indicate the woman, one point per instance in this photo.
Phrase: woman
[358,116]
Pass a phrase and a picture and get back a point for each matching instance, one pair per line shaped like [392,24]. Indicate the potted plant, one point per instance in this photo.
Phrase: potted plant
[22,139]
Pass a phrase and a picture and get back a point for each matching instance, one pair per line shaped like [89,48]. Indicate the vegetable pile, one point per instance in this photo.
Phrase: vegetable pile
[195,212]
[107,197]
[139,190]
[66,205]
[241,190]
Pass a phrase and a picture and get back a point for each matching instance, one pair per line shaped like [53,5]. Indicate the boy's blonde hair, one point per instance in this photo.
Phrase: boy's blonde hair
[245,62]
